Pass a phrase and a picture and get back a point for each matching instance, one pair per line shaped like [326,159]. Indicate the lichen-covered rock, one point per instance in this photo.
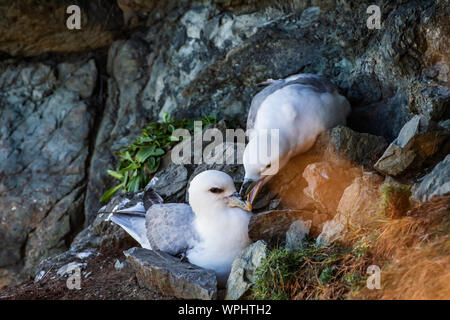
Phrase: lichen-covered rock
[243,270]
[436,183]
[296,234]
[173,277]
[419,140]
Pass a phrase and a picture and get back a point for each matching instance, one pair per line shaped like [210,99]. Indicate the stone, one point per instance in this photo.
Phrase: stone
[173,277]
[243,270]
[419,140]
[326,183]
[271,226]
[332,231]
[342,144]
[296,234]
[358,207]
[119,265]
[436,183]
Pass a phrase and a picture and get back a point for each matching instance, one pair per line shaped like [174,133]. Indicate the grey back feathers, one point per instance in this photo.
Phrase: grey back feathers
[314,82]
[169,227]
[158,226]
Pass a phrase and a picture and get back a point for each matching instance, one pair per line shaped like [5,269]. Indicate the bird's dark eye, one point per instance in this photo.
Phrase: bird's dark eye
[268,166]
[216,190]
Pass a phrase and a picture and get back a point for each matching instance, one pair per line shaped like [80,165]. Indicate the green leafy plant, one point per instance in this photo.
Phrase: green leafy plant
[141,159]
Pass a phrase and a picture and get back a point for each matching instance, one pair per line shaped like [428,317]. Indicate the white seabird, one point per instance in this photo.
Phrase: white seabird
[211,231]
[300,107]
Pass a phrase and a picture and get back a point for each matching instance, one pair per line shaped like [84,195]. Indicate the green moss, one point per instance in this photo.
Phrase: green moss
[394,200]
[313,272]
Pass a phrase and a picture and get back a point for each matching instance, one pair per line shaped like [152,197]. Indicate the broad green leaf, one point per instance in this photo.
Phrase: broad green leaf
[132,166]
[144,153]
[110,192]
[115,174]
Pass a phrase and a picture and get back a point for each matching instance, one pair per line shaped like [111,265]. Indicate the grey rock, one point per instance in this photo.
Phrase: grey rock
[343,143]
[44,30]
[419,140]
[271,226]
[243,270]
[430,99]
[171,276]
[296,234]
[436,183]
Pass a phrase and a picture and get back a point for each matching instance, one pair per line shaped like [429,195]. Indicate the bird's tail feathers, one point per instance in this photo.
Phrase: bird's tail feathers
[134,224]
[151,197]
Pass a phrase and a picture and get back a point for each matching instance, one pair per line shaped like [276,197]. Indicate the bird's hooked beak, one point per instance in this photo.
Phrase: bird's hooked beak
[236,200]
[250,189]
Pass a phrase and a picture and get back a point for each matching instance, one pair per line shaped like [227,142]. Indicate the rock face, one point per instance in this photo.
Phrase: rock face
[180,279]
[29,28]
[64,115]
[46,121]
[243,270]
[436,183]
[418,141]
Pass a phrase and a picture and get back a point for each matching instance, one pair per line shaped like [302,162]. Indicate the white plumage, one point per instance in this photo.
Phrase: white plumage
[300,107]
[211,231]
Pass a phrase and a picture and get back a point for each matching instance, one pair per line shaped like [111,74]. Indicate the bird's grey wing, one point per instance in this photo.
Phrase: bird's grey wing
[134,225]
[259,98]
[150,198]
[318,83]
[170,227]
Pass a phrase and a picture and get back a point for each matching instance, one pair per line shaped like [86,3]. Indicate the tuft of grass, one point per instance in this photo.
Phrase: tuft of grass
[414,254]
[394,200]
[313,272]
[141,159]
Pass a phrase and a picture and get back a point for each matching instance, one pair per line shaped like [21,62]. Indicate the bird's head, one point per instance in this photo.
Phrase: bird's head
[261,165]
[213,190]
